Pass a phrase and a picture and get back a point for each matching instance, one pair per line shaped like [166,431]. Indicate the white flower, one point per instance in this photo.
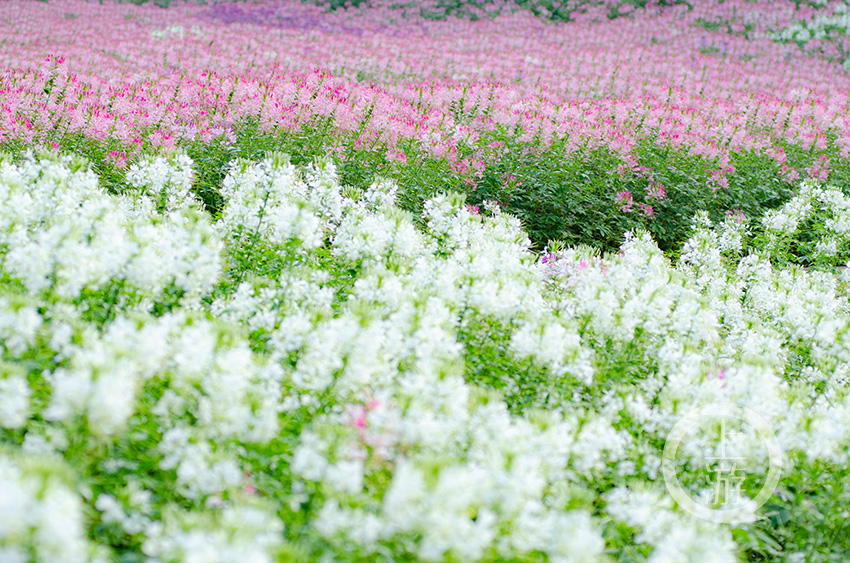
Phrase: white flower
[15,394]
[40,515]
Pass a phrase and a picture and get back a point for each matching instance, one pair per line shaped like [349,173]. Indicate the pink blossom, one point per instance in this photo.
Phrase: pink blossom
[249,487]
[117,158]
[789,174]
[736,215]
[819,170]
[357,415]
[397,155]
[625,201]
[717,181]
[655,191]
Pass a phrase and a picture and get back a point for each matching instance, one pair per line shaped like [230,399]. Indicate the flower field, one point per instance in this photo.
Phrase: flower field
[286,281]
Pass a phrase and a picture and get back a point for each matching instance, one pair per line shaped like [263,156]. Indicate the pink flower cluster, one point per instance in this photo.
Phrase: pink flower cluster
[737,216]
[656,191]
[625,201]
[149,77]
[820,169]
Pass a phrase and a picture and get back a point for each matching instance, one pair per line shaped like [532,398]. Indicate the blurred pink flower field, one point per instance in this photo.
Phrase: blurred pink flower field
[151,77]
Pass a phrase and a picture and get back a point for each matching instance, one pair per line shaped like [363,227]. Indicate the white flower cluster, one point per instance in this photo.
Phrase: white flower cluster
[42,517]
[473,482]
[677,538]
[95,252]
[428,391]
[164,182]
[275,201]
[238,533]
[395,339]
[61,234]
[830,22]
[827,207]
[787,220]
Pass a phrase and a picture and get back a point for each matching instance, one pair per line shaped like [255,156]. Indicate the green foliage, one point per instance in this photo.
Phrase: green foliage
[553,10]
[558,193]
[573,197]
[807,516]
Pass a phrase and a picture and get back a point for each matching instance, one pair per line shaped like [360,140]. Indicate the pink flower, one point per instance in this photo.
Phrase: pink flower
[118,159]
[820,169]
[647,210]
[789,174]
[625,201]
[357,415]
[737,215]
[360,421]
[718,180]
[655,191]
[398,156]
[249,487]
